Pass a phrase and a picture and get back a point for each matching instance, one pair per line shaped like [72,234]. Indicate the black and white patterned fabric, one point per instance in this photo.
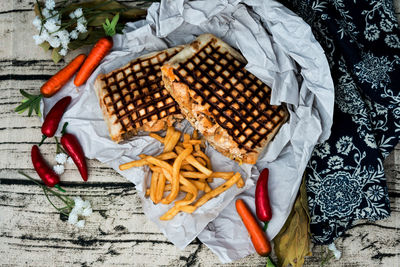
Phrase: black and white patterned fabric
[345,176]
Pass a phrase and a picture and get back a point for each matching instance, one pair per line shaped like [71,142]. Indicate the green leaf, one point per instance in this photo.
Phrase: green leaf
[31,102]
[292,244]
[27,95]
[55,55]
[109,28]
[45,46]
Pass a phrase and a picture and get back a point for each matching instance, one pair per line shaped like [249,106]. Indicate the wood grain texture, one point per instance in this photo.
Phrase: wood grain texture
[118,233]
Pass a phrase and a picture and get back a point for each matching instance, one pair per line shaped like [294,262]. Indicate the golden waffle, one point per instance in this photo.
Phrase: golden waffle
[226,103]
[134,98]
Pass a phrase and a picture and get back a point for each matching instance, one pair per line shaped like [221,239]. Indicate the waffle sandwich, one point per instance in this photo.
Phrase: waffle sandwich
[133,98]
[221,99]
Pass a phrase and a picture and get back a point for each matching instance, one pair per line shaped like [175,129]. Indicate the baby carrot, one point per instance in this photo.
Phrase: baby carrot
[257,235]
[98,52]
[55,83]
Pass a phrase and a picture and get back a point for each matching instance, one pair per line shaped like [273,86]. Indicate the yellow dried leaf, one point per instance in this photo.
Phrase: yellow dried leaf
[292,244]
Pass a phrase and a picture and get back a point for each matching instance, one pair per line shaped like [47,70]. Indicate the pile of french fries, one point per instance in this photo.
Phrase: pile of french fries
[182,167]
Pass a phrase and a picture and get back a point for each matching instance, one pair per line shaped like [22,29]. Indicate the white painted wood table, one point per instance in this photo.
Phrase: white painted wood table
[118,233]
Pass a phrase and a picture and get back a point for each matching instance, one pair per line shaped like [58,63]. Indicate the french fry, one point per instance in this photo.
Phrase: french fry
[188,170]
[175,173]
[240,182]
[153,186]
[223,175]
[188,167]
[156,136]
[169,146]
[131,164]
[174,210]
[162,156]
[192,161]
[167,169]
[160,187]
[220,189]
[195,135]
[199,153]
[203,186]
[142,161]
[201,160]
[194,175]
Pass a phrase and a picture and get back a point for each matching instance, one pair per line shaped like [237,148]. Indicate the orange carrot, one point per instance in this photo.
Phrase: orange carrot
[99,51]
[55,83]
[257,235]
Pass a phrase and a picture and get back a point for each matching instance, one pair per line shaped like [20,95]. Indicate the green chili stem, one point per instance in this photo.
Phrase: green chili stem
[265,226]
[64,199]
[58,209]
[59,149]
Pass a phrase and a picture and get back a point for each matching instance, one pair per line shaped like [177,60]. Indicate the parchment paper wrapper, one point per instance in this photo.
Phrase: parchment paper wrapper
[281,51]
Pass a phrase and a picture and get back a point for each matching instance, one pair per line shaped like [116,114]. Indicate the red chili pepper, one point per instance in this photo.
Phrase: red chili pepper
[53,118]
[263,208]
[71,145]
[48,176]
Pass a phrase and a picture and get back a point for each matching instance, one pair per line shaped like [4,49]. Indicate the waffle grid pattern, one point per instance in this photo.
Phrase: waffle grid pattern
[136,93]
[237,100]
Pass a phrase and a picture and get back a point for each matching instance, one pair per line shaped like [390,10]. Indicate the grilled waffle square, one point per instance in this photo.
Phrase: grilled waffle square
[221,99]
[133,98]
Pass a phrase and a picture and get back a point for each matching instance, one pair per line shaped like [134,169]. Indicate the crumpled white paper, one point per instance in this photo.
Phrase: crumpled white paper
[281,51]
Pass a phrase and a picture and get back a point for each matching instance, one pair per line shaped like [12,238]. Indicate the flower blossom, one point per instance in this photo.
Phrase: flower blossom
[50,4]
[37,23]
[59,169]
[78,12]
[61,158]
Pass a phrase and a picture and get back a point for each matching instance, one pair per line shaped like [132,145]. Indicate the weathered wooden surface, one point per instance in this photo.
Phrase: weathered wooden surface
[31,232]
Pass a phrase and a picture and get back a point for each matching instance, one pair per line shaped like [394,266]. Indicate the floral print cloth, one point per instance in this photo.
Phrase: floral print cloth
[345,176]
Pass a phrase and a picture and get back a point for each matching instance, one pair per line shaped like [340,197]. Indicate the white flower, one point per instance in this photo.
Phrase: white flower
[392,40]
[335,251]
[371,32]
[86,204]
[70,160]
[78,202]
[59,169]
[74,34]
[344,145]
[73,218]
[386,25]
[82,20]
[63,52]
[335,162]
[38,39]
[61,158]
[46,13]
[81,28]
[37,22]
[72,15]
[54,41]
[45,35]
[369,139]
[80,224]
[77,210]
[51,25]
[87,211]
[50,4]
[78,12]
[64,38]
